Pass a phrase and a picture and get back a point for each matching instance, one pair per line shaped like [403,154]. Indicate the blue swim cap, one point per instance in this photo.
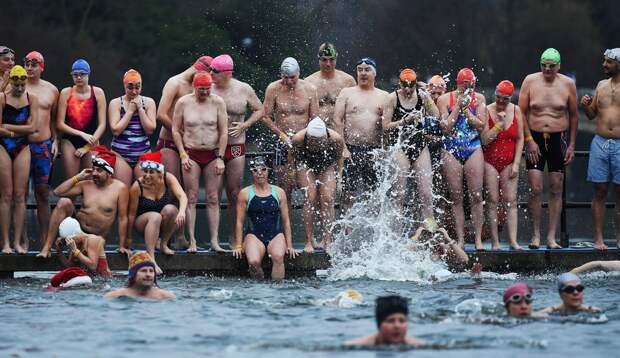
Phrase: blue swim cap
[81,65]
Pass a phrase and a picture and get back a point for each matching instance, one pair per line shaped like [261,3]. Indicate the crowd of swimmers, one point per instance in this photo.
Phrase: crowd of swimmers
[330,127]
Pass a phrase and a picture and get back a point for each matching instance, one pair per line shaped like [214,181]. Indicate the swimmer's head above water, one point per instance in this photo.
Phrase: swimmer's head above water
[518,300]
[137,274]
[69,228]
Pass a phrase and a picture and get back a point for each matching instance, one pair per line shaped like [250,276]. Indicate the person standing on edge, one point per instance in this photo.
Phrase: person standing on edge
[44,142]
[548,101]
[7,61]
[502,140]
[132,121]
[81,118]
[357,118]
[19,113]
[270,226]
[464,114]
[200,132]
[238,96]
[604,162]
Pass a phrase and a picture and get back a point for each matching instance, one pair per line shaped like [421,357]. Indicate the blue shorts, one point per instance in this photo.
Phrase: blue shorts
[41,162]
[604,162]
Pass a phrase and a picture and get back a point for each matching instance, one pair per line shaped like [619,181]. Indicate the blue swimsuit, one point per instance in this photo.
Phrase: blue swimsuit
[15,116]
[464,139]
[264,215]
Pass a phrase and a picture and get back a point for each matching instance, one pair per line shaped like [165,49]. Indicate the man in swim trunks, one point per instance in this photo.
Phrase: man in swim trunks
[357,118]
[289,104]
[43,143]
[141,281]
[391,313]
[329,82]
[518,300]
[548,101]
[176,87]
[571,293]
[604,162]
[266,207]
[200,132]
[7,61]
[317,151]
[104,200]
[239,96]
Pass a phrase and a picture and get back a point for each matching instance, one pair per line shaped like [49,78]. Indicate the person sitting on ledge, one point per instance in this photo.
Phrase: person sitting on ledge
[142,281]
[518,300]
[391,313]
[104,199]
[571,293]
[84,249]
[270,230]
[597,265]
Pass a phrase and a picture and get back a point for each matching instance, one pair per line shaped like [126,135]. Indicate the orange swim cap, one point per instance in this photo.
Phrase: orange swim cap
[132,76]
[437,81]
[203,63]
[465,74]
[505,88]
[407,75]
[35,55]
[202,79]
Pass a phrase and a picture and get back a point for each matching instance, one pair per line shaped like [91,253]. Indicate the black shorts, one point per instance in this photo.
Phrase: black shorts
[359,170]
[552,148]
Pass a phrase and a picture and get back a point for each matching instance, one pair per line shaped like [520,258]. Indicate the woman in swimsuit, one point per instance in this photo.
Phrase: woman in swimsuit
[80,118]
[84,249]
[502,139]
[18,116]
[463,116]
[7,61]
[270,226]
[152,205]
[132,121]
[407,110]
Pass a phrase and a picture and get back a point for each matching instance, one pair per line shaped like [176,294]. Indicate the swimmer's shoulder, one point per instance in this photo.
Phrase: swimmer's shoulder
[165,294]
[348,80]
[121,292]
[273,86]
[314,78]
[415,342]
[366,341]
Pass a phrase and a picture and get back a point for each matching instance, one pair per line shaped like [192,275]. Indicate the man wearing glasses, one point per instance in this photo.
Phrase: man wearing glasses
[7,61]
[571,293]
[43,143]
[357,117]
[548,101]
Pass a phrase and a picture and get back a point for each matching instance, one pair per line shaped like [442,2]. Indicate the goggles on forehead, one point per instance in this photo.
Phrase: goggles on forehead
[5,50]
[147,164]
[367,61]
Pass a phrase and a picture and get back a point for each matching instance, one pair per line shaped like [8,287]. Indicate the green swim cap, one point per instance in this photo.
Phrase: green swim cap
[550,54]
[328,49]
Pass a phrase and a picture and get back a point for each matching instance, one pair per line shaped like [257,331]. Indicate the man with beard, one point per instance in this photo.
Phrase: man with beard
[104,199]
[604,162]
[141,281]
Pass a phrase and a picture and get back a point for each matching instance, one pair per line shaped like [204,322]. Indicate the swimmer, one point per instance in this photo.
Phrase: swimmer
[597,265]
[571,292]
[436,87]
[44,142]
[86,250]
[200,132]
[317,150]
[345,299]
[428,235]
[548,101]
[502,140]
[357,118]
[81,118]
[604,158]
[270,225]
[104,201]
[239,97]
[141,281]
[464,115]
[132,122]
[391,313]
[289,104]
[518,300]
[7,61]
[19,112]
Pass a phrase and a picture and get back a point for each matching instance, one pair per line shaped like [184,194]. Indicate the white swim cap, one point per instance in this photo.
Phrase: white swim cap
[69,228]
[613,54]
[316,128]
[289,67]
[349,298]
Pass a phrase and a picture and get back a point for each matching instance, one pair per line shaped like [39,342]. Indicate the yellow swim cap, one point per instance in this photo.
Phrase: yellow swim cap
[353,294]
[17,74]
[430,224]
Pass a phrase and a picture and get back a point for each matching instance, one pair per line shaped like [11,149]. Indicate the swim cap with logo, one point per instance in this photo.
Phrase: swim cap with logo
[465,74]
[613,54]
[202,79]
[132,76]
[17,74]
[222,63]
[81,65]
[316,128]
[203,63]
[289,67]
[327,49]
[35,55]
[407,75]
[550,54]
[505,88]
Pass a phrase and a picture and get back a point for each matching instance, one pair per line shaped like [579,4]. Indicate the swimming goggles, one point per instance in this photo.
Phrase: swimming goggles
[572,289]
[257,169]
[151,165]
[5,50]
[517,298]
[79,73]
[548,65]
[367,61]
[408,84]
[17,78]
[32,63]
[502,97]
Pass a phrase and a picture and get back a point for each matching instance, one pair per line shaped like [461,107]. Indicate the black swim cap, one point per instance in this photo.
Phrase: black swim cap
[388,305]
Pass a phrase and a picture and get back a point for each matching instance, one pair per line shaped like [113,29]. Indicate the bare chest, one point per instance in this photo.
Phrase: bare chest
[296,102]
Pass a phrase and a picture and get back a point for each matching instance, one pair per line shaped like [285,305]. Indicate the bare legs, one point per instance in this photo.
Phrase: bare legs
[598,212]
[191,180]
[233,181]
[255,251]
[170,159]
[424,179]
[70,162]
[508,196]
[556,180]
[64,208]
[14,185]
[155,225]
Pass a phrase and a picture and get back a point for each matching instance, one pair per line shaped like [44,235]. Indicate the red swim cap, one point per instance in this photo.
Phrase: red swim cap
[35,55]
[518,288]
[203,63]
[505,88]
[151,157]
[465,74]
[202,79]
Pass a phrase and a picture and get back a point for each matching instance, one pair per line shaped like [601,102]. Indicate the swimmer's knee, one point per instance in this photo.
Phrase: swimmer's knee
[192,197]
[555,189]
[212,199]
[169,211]
[65,204]
[254,262]
[536,189]
[277,258]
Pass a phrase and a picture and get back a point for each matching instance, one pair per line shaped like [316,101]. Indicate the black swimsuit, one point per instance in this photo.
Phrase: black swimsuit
[317,161]
[413,136]
[146,205]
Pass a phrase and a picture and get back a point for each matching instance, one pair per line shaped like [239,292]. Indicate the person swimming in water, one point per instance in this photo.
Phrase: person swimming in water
[266,207]
[81,119]
[518,300]
[571,292]
[132,121]
[502,140]
[430,236]
[391,314]
[612,265]
[141,281]
[463,114]
[18,118]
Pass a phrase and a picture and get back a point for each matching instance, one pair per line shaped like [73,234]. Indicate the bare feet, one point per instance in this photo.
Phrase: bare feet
[20,250]
[480,247]
[535,243]
[192,249]
[600,245]
[551,244]
[7,250]
[181,243]
[516,247]
[495,246]
[215,246]
[165,249]
[45,253]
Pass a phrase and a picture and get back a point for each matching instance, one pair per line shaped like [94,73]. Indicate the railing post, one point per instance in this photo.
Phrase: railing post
[563,233]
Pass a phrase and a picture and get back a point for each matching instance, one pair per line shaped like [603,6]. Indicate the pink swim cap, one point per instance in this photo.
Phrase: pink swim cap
[518,288]
[223,63]
[203,63]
